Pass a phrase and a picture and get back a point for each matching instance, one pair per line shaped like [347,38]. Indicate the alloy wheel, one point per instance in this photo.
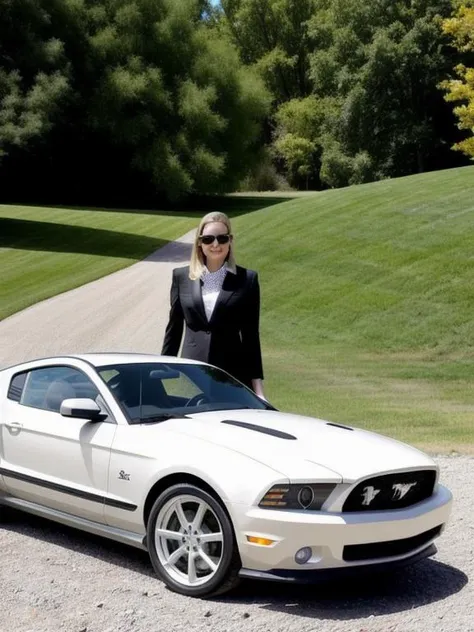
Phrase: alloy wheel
[189,540]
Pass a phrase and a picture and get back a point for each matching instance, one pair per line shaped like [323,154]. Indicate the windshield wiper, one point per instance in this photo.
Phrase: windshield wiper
[155,419]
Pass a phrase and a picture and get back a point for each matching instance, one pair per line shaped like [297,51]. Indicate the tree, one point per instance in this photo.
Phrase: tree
[379,63]
[158,101]
[272,36]
[461,29]
[383,59]
[302,125]
[34,73]
[174,92]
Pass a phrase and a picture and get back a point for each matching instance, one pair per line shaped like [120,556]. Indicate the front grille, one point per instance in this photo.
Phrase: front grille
[391,491]
[375,550]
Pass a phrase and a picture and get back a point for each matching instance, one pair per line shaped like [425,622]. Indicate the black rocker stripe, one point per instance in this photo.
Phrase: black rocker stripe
[95,498]
[263,429]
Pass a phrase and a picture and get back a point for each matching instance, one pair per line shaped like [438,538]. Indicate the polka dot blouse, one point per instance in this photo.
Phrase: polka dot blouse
[212,285]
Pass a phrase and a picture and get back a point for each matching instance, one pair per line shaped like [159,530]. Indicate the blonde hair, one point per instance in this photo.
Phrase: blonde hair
[197,263]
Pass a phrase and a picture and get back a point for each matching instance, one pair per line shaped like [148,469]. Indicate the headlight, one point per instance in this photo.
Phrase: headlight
[307,496]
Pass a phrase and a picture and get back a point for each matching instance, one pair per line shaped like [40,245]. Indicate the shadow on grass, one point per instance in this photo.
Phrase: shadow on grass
[233,206]
[238,205]
[419,585]
[50,237]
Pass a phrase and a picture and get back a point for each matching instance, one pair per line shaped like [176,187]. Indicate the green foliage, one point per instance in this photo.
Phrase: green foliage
[359,78]
[175,95]
[302,125]
[146,97]
[297,153]
[461,29]
[264,175]
[383,59]
[154,89]
[34,74]
[272,35]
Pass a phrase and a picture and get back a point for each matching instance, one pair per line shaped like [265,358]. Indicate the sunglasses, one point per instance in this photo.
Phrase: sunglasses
[209,239]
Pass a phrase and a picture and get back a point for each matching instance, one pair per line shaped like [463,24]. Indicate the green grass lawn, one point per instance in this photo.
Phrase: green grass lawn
[367,293]
[49,250]
[368,305]
[45,251]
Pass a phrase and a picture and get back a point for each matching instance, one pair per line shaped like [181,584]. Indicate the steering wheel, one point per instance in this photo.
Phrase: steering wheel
[114,382]
[198,399]
[114,385]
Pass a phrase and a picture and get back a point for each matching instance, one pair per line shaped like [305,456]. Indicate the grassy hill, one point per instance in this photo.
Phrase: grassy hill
[367,293]
[368,304]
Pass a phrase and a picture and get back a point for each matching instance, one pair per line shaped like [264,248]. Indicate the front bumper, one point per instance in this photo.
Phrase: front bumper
[377,538]
[331,574]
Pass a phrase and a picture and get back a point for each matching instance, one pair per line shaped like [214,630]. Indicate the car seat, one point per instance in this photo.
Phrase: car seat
[57,392]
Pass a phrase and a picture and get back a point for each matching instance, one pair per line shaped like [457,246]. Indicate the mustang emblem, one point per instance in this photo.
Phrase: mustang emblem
[401,489]
[369,494]
[123,476]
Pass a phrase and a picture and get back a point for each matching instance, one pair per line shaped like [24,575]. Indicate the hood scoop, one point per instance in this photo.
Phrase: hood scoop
[269,431]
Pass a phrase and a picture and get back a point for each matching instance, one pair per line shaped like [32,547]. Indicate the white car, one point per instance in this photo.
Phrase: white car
[177,458]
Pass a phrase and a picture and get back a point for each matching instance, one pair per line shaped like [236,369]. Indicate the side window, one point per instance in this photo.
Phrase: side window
[46,388]
[15,389]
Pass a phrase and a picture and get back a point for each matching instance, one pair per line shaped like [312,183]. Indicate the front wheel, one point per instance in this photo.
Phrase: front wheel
[191,542]
[4,513]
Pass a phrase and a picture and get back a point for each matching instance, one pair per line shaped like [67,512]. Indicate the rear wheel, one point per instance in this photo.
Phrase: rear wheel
[191,542]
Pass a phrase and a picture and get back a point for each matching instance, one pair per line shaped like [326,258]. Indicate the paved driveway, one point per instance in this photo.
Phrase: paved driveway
[124,311]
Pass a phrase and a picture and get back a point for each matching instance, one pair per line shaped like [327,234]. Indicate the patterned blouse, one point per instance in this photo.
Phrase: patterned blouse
[211,287]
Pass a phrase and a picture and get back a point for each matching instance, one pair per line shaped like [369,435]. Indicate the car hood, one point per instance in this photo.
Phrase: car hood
[312,448]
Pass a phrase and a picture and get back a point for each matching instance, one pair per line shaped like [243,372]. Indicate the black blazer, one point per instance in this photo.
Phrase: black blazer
[230,340]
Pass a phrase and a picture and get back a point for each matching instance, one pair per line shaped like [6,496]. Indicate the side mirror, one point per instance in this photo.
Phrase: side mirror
[82,408]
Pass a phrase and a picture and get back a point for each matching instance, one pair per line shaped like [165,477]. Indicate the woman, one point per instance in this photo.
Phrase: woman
[220,304]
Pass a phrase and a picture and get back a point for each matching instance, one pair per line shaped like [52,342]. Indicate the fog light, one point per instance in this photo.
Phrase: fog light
[303,555]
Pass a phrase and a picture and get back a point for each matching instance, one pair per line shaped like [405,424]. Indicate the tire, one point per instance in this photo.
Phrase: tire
[3,513]
[201,558]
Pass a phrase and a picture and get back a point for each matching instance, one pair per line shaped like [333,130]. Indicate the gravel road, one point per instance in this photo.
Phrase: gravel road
[53,578]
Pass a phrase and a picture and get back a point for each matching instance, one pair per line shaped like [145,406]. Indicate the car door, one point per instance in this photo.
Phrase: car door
[55,461]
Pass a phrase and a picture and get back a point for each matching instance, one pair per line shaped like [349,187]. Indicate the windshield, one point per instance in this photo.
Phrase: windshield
[157,390]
